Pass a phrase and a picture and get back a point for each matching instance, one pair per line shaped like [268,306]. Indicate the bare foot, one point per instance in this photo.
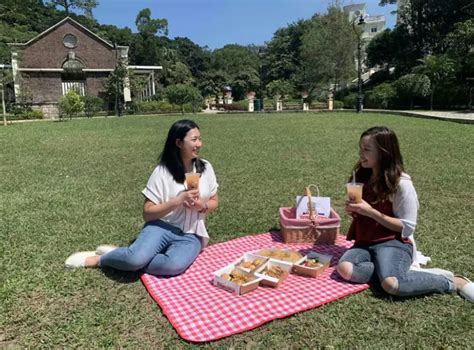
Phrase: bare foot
[459,282]
[92,261]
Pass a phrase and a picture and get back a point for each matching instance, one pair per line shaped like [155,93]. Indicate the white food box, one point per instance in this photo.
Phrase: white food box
[250,257]
[232,287]
[273,281]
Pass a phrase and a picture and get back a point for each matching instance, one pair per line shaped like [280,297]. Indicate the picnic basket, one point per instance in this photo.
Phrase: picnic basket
[313,229]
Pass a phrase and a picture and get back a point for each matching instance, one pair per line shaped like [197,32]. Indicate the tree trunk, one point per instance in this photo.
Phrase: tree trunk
[3,108]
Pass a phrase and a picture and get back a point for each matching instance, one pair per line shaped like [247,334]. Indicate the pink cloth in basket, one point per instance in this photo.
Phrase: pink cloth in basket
[288,219]
[200,311]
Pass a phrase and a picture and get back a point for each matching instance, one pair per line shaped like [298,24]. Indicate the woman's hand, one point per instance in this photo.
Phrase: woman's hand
[362,208]
[190,198]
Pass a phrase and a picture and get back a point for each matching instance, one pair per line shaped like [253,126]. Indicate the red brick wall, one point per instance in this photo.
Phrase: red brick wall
[50,52]
[44,87]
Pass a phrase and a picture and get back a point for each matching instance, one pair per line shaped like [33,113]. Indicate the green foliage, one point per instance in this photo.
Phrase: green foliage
[92,105]
[27,115]
[440,69]
[280,88]
[70,105]
[328,48]
[148,26]
[382,96]
[350,100]
[411,86]
[157,107]
[85,5]
[281,56]
[338,104]
[182,94]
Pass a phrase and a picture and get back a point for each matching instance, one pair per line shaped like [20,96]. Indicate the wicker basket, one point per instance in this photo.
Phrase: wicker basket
[315,229]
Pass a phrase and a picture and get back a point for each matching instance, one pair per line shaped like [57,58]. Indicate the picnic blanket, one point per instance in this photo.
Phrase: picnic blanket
[200,311]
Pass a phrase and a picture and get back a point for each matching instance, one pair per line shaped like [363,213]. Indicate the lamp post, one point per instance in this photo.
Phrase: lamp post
[117,106]
[361,21]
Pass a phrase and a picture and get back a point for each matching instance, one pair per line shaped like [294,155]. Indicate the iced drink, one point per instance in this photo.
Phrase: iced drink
[192,181]
[354,192]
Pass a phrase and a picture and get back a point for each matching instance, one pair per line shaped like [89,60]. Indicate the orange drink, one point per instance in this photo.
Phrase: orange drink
[192,180]
[354,192]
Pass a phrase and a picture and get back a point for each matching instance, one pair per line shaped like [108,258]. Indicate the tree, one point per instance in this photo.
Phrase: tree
[115,84]
[182,94]
[439,69]
[411,86]
[85,5]
[281,57]
[327,50]
[278,87]
[70,104]
[92,105]
[148,26]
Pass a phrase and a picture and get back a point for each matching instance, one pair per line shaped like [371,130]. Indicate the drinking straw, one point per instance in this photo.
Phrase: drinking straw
[353,177]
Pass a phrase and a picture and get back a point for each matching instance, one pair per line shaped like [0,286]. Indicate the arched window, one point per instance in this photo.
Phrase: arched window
[73,77]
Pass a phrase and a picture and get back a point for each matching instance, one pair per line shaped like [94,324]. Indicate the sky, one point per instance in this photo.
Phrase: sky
[215,23]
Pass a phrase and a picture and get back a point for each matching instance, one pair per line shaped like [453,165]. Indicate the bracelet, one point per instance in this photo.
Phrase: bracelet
[204,209]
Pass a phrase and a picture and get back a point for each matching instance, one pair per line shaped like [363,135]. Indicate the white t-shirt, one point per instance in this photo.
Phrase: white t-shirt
[405,207]
[161,187]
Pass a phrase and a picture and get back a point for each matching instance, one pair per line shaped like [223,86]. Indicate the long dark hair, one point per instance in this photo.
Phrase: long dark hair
[389,160]
[171,155]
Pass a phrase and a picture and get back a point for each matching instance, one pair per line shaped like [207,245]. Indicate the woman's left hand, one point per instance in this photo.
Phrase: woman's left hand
[362,208]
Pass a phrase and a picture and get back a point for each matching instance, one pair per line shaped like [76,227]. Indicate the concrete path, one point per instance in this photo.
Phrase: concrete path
[455,116]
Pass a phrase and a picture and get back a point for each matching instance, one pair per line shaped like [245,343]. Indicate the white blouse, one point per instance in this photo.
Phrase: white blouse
[405,207]
[162,187]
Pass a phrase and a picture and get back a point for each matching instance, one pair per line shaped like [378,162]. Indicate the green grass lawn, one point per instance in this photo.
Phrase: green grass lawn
[68,186]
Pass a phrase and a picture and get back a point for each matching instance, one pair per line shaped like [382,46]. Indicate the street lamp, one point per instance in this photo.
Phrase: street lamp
[360,20]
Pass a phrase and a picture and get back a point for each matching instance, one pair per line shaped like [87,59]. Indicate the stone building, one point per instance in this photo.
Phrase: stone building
[68,56]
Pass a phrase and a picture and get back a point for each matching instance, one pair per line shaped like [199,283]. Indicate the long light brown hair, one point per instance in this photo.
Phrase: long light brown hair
[389,160]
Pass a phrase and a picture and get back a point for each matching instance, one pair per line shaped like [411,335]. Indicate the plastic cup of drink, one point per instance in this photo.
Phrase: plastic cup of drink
[354,191]
[192,180]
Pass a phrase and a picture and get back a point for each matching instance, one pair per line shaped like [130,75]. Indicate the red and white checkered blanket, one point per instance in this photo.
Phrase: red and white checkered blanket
[201,312]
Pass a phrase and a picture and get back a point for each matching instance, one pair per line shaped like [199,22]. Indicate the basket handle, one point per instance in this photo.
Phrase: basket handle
[310,204]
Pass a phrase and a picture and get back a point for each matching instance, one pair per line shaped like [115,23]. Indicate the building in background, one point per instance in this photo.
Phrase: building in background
[373,25]
[69,56]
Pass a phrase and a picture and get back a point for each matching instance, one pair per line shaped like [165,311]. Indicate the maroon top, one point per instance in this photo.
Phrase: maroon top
[365,230]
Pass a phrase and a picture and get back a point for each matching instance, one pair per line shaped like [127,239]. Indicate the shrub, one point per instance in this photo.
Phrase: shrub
[33,114]
[92,105]
[318,105]
[349,101]
[338,104]
[411,86]
[181,94]
[70,105]
[382,96]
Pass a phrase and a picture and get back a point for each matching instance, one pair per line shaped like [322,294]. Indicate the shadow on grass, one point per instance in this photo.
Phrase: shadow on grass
[121,276]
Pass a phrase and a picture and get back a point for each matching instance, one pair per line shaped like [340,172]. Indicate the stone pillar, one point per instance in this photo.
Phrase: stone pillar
[251,99]
[251,105]
[330,101]
[305,106]
[16,78]
[220,100]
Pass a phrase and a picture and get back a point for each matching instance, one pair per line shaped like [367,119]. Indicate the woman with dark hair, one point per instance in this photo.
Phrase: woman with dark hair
[174,232]
[383,225]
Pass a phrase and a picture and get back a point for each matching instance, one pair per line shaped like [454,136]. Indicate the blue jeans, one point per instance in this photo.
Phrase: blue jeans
[393,259]
[160,249]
